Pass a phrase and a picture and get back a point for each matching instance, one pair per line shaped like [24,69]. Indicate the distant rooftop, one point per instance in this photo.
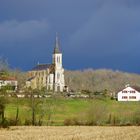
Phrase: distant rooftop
[31,78]
[41,67]
[134,87]
[8,78]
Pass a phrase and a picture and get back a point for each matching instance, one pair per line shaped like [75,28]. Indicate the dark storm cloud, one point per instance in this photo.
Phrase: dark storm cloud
[114,28]
[103,31]
[14,31]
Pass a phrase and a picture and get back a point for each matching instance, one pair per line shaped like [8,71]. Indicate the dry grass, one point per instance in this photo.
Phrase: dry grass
[70,133]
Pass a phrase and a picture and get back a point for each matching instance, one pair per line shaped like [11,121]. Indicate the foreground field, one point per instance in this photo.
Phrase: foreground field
[70,133]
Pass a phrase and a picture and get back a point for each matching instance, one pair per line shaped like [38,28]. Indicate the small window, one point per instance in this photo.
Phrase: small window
[132,91]
[132,97]
[124,91]
[124,97]
[58,59]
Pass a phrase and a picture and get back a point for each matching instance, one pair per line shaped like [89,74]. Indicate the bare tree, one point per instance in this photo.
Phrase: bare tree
[4,66]
[2,109]
[99,80]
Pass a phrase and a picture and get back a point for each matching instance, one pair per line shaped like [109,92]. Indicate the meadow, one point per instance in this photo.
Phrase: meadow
[61,111]
[70,133]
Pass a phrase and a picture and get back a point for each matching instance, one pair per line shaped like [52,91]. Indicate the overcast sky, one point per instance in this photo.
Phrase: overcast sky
[93,33]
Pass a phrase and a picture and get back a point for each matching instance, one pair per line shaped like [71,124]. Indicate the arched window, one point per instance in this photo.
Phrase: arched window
[59,59]
[58,76]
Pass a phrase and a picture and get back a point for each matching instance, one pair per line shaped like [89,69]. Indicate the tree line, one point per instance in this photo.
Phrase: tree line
[99,80]
[79,80]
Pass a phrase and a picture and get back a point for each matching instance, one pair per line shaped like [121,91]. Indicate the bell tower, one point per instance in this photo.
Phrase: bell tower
[59,82]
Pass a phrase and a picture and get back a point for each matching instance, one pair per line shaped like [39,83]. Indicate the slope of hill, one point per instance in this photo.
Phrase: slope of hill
[98,80]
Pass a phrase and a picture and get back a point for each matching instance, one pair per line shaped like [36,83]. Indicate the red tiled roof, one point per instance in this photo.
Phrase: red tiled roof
[8,78]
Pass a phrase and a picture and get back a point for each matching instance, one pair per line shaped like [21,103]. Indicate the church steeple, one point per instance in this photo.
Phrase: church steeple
[59,82]
[57,49]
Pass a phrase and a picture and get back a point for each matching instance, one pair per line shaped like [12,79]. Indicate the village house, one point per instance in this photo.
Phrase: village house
[49,76]
[10,82]
[129,93]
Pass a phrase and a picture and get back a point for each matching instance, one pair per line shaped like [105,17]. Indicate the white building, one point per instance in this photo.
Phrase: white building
[50,76]
[129,94]
[8,81]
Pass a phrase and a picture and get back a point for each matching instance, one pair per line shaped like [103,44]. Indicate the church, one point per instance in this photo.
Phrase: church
[49,76]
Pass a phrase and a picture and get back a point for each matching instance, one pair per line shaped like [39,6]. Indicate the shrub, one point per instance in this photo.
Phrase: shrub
[136,118]
[96,115]
[68,122]
[115,120]
[5,124]
[13,122]
[40,122]
[27,122]
[73,121]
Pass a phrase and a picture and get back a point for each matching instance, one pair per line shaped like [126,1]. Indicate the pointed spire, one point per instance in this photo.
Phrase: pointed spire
[56,41]
[56,49]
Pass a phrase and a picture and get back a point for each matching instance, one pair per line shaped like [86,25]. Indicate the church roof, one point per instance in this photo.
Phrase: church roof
[31,78]
[56,49]
[41,67]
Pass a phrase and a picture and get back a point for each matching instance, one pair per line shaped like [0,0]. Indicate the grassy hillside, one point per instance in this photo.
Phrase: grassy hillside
[55,110]
[58,111]
[98,80]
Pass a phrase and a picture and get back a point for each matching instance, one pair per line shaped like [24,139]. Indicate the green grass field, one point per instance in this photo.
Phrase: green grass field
[59,109]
